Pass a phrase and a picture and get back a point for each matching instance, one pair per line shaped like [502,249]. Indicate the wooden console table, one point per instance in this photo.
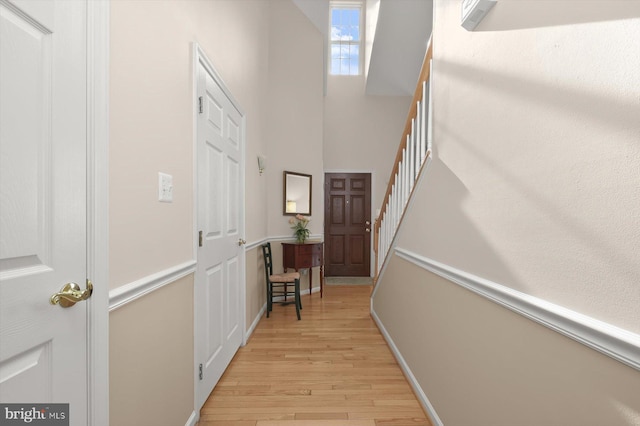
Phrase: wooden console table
[304,255]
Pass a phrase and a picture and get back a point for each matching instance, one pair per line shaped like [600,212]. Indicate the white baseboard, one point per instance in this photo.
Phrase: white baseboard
[302,293]
[422,397]
[617,343]
[313,290]
[254,324]
[193,419]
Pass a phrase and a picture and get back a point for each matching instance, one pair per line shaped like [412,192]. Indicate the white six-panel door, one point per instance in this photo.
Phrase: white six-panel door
[220,199]
[43,348]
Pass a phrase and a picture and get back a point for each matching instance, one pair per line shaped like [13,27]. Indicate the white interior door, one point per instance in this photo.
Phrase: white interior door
[219,288]
[43,348]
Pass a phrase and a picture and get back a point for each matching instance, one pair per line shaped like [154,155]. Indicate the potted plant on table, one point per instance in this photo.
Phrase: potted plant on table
[299,225]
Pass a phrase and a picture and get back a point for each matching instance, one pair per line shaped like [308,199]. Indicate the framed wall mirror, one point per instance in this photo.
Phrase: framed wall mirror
[296,194]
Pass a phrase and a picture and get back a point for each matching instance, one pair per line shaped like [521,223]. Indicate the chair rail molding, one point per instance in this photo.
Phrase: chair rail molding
[615,342]
[127,293]
[253,244]
[279,238]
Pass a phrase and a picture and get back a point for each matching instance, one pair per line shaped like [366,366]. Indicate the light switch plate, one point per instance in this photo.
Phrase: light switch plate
[165,188]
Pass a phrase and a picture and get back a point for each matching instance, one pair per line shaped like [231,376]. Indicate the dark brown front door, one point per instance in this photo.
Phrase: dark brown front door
[347,226]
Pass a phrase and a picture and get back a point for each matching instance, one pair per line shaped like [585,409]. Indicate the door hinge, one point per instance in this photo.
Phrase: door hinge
[200,372]
[200,105]
[200,239]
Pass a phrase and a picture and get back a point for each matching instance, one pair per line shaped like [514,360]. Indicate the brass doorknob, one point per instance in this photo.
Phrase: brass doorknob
[70,294]
[241,242]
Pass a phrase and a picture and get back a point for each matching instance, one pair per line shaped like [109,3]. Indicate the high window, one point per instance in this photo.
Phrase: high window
[346,39]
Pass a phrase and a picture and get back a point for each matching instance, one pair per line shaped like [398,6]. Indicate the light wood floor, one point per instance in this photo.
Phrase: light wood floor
[332,368]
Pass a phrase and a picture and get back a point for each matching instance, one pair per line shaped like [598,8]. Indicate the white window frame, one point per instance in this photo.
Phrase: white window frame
[346,4]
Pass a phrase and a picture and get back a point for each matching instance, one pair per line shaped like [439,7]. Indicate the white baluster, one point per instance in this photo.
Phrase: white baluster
[429,135]
[396,198]
[394,190]
[425,107]
[418,139]
[396,218]
[403,179]
[408,170]
[412,149]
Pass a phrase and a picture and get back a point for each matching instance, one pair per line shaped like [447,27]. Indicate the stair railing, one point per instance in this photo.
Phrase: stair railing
[412,155]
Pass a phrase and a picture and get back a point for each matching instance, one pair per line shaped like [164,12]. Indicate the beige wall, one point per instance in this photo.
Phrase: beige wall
[535,176]
[362,133]
[151,115]
[256,290]
[294,127]
[534,186]
[483,365]
[270,57]
[151,358]
[151,131]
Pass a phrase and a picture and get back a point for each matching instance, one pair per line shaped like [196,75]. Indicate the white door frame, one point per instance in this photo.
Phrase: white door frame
[199,56]
[98,211]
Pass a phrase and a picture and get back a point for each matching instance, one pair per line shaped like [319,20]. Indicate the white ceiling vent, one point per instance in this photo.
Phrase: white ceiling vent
[473,11]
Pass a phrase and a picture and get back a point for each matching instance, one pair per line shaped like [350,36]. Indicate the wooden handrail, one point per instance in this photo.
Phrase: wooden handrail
[417,97]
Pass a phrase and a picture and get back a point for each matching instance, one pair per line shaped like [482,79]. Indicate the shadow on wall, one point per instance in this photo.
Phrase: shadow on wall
[443,245]
[618,116]
[523,14]
[623,261]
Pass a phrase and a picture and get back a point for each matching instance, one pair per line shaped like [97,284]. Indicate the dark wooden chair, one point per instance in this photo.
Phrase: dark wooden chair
[280,286]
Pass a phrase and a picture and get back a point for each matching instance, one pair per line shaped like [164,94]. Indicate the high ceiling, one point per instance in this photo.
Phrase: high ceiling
[398,42]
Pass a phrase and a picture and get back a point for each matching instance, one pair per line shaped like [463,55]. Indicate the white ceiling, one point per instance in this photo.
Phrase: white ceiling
[399,43]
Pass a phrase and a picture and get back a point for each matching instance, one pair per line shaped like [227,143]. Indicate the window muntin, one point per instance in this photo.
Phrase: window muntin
[345,39]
